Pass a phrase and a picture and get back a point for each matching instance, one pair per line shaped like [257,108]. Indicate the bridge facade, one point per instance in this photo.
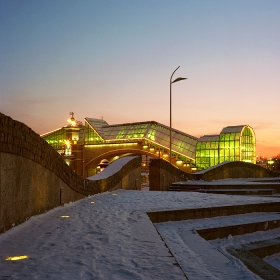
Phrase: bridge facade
[84,146]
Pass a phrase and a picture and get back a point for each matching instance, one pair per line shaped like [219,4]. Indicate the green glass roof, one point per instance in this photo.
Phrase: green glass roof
[151,131]
[97,125]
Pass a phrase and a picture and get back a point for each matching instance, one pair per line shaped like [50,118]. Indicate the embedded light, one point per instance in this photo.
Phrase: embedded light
[64,217]
[16,258]
[67,143]
[114,194]
[92,202]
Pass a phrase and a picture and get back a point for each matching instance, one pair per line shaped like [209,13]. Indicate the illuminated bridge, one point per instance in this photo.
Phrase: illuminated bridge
[84,146]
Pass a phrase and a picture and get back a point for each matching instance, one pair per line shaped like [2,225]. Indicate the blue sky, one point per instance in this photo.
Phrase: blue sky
[115,58]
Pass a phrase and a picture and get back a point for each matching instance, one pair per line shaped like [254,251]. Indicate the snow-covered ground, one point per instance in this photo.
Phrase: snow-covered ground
[109,236]
[214,262]
[273,260]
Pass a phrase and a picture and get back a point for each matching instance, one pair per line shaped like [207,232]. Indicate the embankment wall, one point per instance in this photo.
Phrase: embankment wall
[162,174]
[34,178]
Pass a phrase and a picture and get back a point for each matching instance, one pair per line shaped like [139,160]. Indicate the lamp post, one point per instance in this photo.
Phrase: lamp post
[171,82]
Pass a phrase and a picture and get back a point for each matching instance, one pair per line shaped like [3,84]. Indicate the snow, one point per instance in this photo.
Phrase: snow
[109,236]
[212,167]
[273,260]
[188,247]
[229,182]
[112,168]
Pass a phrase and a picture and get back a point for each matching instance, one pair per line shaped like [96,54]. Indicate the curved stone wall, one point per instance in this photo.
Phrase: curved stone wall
[34,178]
[236,169]
[162,174]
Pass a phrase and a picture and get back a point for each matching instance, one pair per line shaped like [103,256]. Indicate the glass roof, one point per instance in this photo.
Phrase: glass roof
[98,125]
[232,129]
[209,138]
[151,131]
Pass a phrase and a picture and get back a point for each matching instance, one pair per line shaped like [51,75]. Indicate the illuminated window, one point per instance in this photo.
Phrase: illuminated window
[235,143]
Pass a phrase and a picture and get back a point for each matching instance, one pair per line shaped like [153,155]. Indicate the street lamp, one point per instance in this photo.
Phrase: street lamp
[171,82]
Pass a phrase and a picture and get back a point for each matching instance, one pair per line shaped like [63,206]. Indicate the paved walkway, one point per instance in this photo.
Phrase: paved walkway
[112,238]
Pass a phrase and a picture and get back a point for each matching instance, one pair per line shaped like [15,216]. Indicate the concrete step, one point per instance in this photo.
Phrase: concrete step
[240,191]
[223,189]
[184,188]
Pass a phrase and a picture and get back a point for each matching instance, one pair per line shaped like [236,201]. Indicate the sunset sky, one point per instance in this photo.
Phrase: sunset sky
[114,58]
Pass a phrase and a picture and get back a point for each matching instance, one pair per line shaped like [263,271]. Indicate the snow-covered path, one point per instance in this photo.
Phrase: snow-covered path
[112,238]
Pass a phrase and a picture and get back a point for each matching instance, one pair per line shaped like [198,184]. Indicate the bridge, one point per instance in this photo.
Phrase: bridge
[83,146]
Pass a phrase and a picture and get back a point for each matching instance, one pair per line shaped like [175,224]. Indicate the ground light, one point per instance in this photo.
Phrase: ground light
[64,217]
[92,202]
[16,258]
[114,194]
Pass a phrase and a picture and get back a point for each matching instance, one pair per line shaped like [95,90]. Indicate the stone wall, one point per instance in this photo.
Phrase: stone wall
[236,169]
[162,175]
[27,188]
[34,178]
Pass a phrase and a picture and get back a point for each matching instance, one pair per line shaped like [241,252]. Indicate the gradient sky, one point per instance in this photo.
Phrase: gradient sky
[114,59]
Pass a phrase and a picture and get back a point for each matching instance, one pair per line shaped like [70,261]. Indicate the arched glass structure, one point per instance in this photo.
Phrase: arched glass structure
[234,143]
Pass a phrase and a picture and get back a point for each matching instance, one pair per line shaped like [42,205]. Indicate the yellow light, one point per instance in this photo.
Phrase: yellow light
[67,143]
[114,194]
[16,258]
[64,217]
[92,202]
